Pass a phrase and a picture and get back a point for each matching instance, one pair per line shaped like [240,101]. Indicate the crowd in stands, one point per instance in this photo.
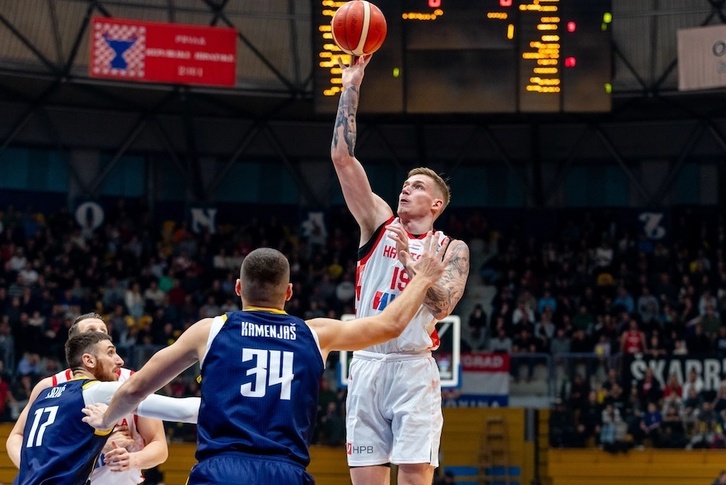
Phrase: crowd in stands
[150,282]
[613,297]
[593,289]
[679,415]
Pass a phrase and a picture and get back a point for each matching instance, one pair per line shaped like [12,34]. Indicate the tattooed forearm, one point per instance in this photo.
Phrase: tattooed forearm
[347,108]
[444,295]
[436,299]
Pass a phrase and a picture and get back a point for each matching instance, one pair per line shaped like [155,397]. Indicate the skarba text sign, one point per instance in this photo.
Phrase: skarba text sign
[133,50]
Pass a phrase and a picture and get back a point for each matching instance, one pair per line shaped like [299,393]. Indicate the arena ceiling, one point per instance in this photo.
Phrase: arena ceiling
[47,97]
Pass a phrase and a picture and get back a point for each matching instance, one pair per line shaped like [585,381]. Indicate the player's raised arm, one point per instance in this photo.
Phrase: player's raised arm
[364,332]
[368,209]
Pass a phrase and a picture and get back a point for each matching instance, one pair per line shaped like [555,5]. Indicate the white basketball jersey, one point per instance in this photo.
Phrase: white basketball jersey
[101,475]
[384,278]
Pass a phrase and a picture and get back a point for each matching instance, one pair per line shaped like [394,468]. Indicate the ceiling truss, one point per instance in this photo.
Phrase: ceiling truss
[43,90]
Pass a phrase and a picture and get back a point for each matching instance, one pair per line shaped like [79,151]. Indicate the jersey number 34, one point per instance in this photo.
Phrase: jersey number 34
[272,368]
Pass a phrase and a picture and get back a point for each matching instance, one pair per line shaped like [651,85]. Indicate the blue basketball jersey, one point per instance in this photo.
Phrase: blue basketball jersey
[59,448]
[260,379]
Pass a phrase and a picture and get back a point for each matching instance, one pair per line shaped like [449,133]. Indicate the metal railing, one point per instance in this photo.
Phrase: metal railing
[536,375]
[545,375]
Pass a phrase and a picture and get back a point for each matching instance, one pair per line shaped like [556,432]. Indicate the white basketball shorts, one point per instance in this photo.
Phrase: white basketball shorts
[393,409]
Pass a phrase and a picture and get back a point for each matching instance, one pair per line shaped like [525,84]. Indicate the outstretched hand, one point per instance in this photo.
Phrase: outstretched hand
[398,234]
[353,75]
[94,414]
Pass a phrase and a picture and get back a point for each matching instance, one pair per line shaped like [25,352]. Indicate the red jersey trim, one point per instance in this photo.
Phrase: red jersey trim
[417,236]
[365,252]
[435,340]
[68,375]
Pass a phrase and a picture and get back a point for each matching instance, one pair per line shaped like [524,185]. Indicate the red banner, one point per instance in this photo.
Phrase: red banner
[484,381]
[485,362]
[133,50]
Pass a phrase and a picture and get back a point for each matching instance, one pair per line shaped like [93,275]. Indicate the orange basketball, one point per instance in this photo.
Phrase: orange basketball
[359,27]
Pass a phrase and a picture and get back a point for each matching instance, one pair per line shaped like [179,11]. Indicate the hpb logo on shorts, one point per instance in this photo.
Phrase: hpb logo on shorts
[352,449]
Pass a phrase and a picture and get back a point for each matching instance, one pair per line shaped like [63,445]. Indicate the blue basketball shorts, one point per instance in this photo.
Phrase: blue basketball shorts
[236,469]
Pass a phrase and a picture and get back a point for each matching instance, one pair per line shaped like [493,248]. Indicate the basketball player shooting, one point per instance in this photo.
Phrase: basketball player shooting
[394,393]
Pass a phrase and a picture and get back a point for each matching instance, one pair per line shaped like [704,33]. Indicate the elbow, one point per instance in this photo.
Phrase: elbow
[338,157]
[396,329]
[160,453]
[12,446]
[441,307]
[440,315]
[163,453]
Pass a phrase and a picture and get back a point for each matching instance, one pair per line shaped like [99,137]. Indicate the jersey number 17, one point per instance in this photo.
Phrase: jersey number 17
[35,437]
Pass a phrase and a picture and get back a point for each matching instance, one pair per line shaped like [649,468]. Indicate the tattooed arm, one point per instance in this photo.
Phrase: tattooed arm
[446,293]
[368,209]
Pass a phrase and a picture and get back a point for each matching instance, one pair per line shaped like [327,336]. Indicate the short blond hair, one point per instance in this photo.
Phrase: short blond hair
[438,180]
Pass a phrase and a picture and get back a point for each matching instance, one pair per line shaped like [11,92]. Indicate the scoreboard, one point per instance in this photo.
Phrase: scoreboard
[477,56]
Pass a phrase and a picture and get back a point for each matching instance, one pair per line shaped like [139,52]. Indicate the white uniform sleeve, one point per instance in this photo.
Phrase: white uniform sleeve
[181,410]
[100,392]
[177,409]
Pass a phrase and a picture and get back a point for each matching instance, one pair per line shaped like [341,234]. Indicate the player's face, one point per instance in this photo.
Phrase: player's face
[417,196]
[92,325]
[108,362]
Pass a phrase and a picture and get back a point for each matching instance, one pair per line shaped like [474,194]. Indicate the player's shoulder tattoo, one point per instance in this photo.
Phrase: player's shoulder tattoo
[459,264]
